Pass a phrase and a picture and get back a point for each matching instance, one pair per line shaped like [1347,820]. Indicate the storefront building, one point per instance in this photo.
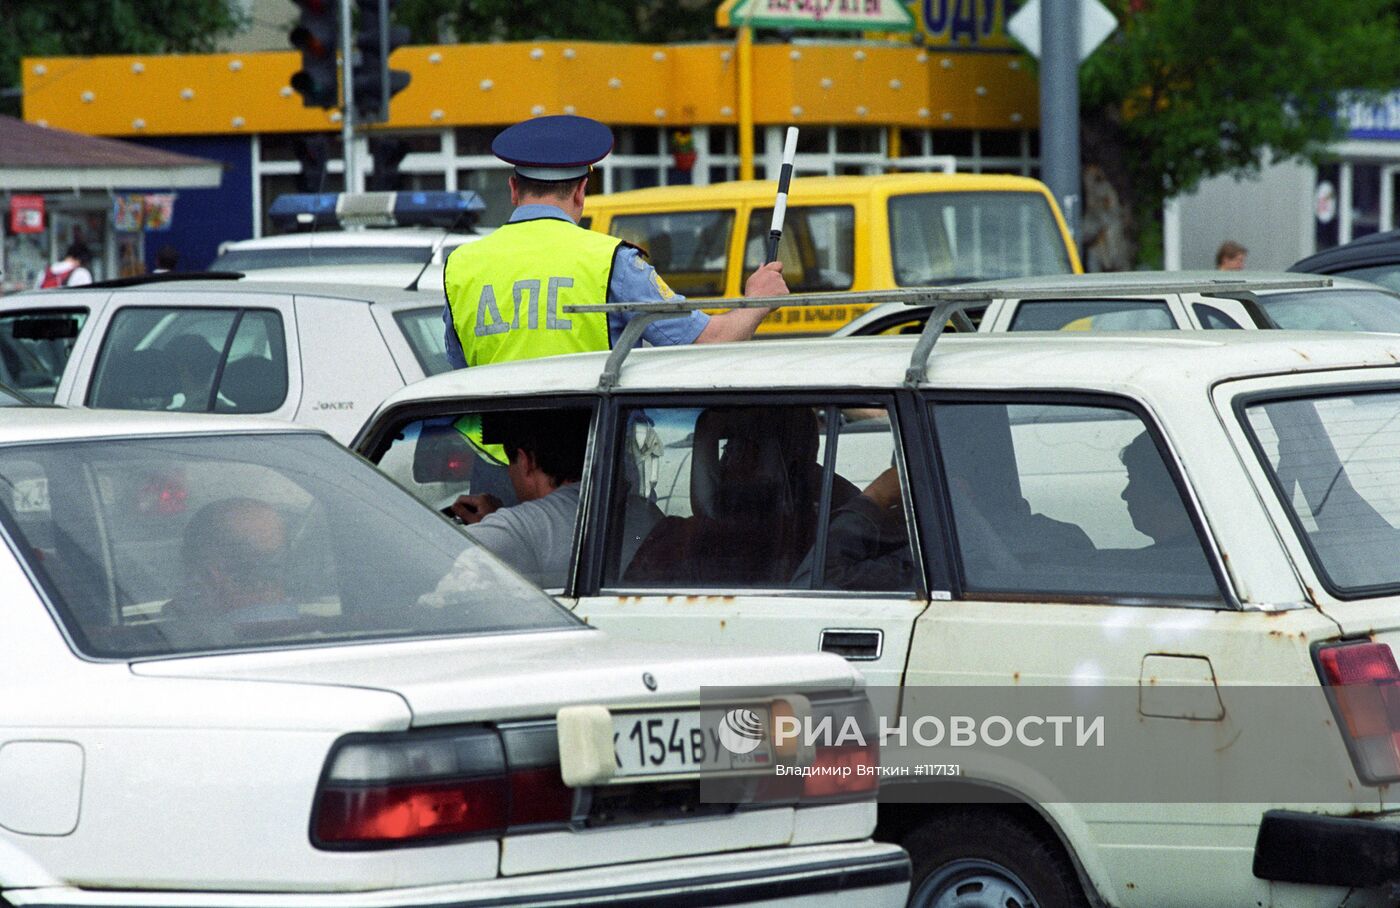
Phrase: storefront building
[957,96]
[1292,209]
[58,187]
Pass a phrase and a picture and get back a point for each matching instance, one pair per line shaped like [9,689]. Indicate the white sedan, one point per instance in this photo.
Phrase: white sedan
[241,668]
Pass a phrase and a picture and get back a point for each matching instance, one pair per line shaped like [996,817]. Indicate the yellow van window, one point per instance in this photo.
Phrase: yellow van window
[942,237]
[818,249]
[689,248]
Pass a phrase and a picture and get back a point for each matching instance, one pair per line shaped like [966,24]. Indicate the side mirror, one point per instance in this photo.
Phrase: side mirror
[442,455]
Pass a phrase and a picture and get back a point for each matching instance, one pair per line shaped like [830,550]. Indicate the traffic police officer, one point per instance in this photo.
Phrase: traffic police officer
[507,291]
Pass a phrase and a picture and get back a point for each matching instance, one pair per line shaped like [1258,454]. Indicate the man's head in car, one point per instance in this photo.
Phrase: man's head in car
[235,558]
[545,450]
[1151,497]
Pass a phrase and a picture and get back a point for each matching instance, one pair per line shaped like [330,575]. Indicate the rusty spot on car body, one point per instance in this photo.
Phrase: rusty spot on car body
[722,623]
[1016,677]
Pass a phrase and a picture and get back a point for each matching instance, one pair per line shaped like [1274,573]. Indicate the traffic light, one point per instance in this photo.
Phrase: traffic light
[388,154]
[315,36]
[314,153]
[376,39]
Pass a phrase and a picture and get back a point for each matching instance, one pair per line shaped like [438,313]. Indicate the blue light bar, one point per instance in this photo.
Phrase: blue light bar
[310,211]
[303,211]
[438,209]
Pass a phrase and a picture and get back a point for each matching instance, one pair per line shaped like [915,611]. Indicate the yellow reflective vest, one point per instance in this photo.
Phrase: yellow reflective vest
[507,291]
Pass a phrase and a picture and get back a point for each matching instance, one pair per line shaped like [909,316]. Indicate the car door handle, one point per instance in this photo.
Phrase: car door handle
[855,644]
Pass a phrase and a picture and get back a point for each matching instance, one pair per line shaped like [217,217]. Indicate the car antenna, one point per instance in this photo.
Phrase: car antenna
[432,253]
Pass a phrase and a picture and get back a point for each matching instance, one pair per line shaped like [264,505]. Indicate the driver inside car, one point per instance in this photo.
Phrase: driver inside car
[235,556]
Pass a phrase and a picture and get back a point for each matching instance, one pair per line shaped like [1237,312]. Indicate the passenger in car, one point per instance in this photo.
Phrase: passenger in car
[1156,511]
[546,455]
[235,555]
[755,489]
[867,542]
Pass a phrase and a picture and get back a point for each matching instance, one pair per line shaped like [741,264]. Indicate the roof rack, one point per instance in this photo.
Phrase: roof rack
[946,303]
[166,277]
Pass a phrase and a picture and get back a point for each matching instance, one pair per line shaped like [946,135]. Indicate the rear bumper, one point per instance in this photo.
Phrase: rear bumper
[1331,851]
[819,876]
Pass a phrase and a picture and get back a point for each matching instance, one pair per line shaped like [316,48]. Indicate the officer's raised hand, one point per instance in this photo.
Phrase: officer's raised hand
[766,281]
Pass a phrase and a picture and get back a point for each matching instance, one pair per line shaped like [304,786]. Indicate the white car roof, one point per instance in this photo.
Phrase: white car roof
[371,238]
[1109,362]
[1149,281]
[349,292]
[38,424]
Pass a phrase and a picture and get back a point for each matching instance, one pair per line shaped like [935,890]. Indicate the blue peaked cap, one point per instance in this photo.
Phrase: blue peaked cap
[554,148]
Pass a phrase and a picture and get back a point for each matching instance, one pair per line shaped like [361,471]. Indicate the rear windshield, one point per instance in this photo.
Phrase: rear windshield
[34,348]
[255,259]
[1092,315]
[423,329]
[942,237]
[1335,461]
[690,249]
[1334,310]
[161,546]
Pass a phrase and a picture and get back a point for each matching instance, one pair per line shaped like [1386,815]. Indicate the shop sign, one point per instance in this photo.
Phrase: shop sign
[839,15]
[133,212]
[26,214]
[966,24]
[1364,119]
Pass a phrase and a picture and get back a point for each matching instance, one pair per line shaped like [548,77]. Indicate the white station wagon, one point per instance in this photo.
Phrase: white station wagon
[241,668]
[321,354]
[1122,515]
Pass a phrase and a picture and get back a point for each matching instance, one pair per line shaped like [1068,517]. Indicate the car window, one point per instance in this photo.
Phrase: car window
[35,346]
[460,464]
[1334,309]
[193,360]
[761,496]
[690,249]
[942,237]
[423,329]
[1091,315]
[1388,276]
[157,546]
[818,247]
[1067,500]
[256,259]
[1336,462]
[1212,318]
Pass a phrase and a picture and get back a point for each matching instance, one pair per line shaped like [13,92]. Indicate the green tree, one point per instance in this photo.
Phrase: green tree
[578,20]
[87,27]
[1187,89]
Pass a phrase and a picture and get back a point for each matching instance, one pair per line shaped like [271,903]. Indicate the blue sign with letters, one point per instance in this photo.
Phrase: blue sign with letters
[967,24]
[1372,120]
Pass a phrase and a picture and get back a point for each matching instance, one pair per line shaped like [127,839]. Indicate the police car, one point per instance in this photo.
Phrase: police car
[244,670]
[1191,536]
[389,239]
[318,353]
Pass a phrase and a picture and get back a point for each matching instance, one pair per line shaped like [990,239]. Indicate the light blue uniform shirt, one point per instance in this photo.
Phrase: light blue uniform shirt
[633,280]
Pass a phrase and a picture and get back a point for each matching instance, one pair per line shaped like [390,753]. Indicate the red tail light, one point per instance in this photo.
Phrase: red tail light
[1364,683]
[843,772]
[381,791]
